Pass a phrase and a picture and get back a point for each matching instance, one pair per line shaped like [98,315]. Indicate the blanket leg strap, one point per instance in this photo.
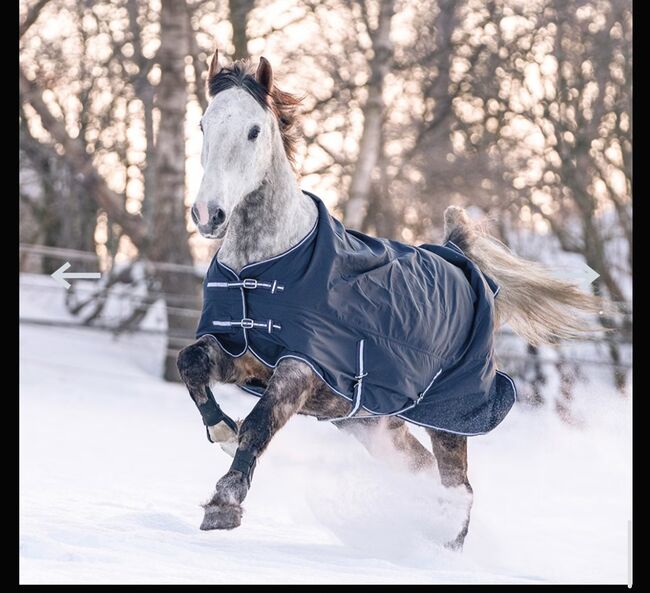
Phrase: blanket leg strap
[212,414]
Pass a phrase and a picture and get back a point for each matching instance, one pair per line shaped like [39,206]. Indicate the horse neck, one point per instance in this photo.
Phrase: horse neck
[270,220]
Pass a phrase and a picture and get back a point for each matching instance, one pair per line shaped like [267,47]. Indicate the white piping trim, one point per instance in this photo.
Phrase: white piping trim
[456,246]
[415,403]
[358,388]
[222,347]
[361,344]
[496,292]
[263,261]
[430,383]
[468,434]
[307,362]
[235,274]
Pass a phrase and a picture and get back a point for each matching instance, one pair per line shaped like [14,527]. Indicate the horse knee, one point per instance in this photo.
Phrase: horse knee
[194,364]
[200,363]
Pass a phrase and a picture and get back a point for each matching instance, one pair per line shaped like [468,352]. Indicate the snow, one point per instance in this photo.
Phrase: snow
[114,465]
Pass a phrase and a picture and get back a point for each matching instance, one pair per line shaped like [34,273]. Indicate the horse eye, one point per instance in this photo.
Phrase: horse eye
[254,132]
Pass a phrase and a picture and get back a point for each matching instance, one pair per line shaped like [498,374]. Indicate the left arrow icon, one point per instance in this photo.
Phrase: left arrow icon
[60,275]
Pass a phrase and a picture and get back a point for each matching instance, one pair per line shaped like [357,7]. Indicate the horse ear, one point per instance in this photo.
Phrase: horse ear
[214,64]
[264,74]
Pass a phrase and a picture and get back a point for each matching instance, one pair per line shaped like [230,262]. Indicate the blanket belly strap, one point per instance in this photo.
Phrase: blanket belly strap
[358,386]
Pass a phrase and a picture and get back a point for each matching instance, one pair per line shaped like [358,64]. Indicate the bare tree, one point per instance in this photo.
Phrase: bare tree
[239,15]
[102,131]
[570,81]
[168,239]
[31,15]
[370,146]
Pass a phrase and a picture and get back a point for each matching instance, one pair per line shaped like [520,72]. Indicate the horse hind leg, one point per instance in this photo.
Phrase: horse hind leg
[450,451]
[389,437]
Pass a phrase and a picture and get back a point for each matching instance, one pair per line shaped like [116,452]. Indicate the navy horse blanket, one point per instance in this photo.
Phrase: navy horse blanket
[393,328]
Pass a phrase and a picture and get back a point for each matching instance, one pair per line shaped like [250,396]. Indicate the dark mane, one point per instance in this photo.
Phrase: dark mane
[283,105]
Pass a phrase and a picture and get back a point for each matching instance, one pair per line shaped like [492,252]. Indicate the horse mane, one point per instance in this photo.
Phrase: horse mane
[282,104]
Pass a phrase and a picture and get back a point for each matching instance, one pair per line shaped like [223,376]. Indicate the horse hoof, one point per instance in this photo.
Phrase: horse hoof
[221,517]
[455,545]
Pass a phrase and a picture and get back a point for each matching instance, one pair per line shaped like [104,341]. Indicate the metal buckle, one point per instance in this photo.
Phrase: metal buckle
[249,283]
[247,323]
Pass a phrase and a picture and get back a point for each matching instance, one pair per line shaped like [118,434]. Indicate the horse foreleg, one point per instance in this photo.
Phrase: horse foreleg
[286,392]
[450,451]
[202,364]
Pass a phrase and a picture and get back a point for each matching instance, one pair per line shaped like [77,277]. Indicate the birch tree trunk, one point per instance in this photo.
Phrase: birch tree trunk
[239,11]
[168,240]
[370,143]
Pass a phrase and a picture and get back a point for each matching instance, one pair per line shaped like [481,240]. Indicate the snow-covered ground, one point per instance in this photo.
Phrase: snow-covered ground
[114,464]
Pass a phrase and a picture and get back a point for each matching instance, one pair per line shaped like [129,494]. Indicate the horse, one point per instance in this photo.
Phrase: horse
[249,199]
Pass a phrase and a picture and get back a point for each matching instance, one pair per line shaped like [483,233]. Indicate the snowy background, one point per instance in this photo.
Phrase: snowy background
[114,465]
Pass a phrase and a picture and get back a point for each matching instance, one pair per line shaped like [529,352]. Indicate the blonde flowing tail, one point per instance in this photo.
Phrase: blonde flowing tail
[539,306]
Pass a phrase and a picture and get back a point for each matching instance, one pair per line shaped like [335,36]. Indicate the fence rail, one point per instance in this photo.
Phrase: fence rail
[188,339]
[172,300]
[175,304]
[76,255]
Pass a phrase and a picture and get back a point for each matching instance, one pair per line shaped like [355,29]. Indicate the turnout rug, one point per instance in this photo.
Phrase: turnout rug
[393,328]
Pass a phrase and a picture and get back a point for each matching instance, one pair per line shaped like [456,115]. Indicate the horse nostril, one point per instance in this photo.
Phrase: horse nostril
[218,217]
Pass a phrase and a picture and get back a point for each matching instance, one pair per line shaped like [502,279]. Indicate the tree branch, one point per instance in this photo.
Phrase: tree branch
[32,15]
[82,164]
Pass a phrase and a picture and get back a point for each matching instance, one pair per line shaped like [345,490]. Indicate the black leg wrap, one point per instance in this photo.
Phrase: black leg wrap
[244,462]
[212,414]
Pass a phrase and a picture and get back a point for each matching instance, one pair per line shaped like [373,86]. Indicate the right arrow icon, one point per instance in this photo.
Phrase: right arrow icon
[582,275]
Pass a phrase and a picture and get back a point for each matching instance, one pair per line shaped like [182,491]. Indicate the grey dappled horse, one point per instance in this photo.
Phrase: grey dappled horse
[250,199]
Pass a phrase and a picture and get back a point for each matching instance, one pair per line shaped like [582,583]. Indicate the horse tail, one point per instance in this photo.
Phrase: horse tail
[539,306]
